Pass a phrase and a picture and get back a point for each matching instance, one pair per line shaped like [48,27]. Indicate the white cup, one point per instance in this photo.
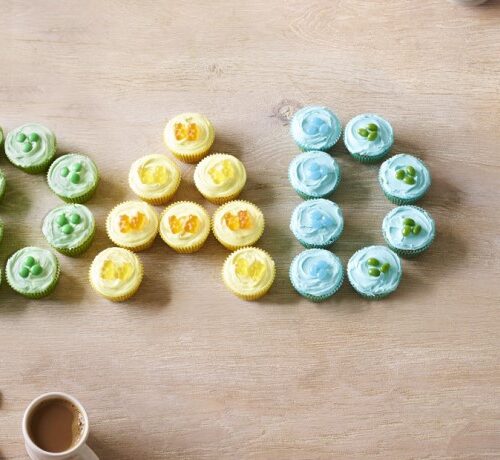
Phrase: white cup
[80,451]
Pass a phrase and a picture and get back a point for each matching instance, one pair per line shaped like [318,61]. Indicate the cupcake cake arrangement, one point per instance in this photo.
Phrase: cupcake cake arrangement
[374,271]
[69,229]
[184,226]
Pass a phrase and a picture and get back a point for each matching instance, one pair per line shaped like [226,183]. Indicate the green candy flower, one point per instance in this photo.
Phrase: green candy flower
[72,173]
[407,175]
[410,227]
[67,224]
[30,267]
[369,132]
[28,142]
[376,268]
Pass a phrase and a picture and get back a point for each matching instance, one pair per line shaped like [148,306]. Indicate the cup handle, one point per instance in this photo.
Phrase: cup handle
[86,453]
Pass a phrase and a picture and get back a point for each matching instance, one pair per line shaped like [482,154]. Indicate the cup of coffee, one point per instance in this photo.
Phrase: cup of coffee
[56,427]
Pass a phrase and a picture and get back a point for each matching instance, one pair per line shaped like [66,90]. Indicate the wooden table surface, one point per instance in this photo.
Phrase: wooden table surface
[184,369]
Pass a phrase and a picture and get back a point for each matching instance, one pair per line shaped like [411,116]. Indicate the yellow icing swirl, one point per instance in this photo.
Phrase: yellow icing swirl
[238,223]
[189,134]
[154,176]
[184,224]
[132,224]
[116,272]
[249,271]
[220,175]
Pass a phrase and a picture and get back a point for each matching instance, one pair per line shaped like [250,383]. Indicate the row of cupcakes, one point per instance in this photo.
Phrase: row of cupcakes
[132,226]
[374,271]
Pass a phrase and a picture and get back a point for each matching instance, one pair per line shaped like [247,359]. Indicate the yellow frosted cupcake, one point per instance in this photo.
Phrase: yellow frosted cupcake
[220,177]
[154,178]
[189,136]
[237,224]
[184,226]
[249,273]
[132,225]
[116,274]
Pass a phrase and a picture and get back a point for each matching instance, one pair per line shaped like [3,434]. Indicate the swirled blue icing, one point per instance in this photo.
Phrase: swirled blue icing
[393,186]
[317,222]
[363,282]
[393,224]
[315,128]
[316,272]
[360,145]
[314,173]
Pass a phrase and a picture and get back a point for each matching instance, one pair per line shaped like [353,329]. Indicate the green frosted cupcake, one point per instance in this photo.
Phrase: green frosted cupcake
[404,179]
[314,174]
[374,272]
[69,228]
[31,147]
[317,223]
[32,272]
[3,184]
[315,128]
[408,230]
[316,274]
[73,178]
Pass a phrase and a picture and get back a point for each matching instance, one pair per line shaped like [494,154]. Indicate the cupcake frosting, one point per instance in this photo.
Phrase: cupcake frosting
[116,272]
[362,145]
[317,222]
[316,272]
[68,226]
[220,175]
[30,145]
[154,176]
[314,173]
[189,133]
[393,223]
[248,271]
[32,270]
[238,223]
[132,223]
[359,276]
[315,128]
[72,175]
[398,184]
[184,224]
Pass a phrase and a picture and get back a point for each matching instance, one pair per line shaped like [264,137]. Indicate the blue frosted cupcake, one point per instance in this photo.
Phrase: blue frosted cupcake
[368,137]
[317,223]
[374,272]
[314,174]
[315,128]
[316,274]
[408,230]
[404,179]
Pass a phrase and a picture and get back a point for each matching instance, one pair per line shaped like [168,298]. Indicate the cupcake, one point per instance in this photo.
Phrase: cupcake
[404,179]
[154,178]
[315,128]
[73,178]
[31,147]
[3,184]
[237,224]
[249,273]
[132,225]
[368,137]
[317,223]
[408,230]
[316,274]
[189,136]
[374,271]
[220,177]
[32,272]
[69,228]
[116,274]
[314,175]
[184,226]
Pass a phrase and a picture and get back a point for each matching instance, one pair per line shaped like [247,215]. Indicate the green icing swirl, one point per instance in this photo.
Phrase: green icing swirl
[37,281]
[41,141]
[68,226]
[72,175]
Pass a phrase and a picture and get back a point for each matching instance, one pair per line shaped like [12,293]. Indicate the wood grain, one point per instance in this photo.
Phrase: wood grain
[185,370]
